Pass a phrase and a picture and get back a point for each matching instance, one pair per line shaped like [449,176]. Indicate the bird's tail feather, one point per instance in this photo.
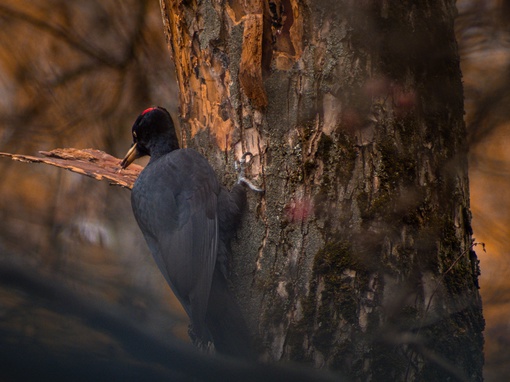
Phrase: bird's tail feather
[225,321]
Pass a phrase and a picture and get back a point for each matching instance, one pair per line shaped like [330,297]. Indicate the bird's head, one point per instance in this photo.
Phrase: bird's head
[153,135]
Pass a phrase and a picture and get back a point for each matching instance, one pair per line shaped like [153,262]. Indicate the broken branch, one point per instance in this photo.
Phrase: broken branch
[90,162]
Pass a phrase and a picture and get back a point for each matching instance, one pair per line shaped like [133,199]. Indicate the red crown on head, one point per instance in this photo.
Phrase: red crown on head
[147,110]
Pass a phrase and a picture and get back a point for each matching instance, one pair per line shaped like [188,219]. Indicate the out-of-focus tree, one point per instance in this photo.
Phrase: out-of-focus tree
[72,73]
[76,73]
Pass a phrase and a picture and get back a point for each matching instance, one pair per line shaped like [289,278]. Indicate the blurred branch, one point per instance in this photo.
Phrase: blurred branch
[93,163]
[65,35]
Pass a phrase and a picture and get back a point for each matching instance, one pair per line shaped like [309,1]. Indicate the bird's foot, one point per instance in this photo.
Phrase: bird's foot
[203,345]
[240,167]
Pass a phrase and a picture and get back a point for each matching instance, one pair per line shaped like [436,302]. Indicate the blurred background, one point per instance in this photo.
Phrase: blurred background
[77,74]
[76,278]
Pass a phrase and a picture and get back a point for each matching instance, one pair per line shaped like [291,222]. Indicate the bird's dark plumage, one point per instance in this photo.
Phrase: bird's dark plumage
[188,220]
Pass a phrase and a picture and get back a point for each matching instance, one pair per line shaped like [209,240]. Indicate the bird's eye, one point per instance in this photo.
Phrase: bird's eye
[134,135]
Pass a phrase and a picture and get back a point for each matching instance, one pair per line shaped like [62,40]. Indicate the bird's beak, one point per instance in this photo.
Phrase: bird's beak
[131,155]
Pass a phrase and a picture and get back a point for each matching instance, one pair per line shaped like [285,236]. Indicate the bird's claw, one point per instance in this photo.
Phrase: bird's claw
[243,158]
[240,166]
[250,185]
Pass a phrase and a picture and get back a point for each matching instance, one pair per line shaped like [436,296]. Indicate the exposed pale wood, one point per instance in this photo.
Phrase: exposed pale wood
[90,162]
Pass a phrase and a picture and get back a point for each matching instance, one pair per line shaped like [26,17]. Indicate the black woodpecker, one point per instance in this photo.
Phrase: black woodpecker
[188,220]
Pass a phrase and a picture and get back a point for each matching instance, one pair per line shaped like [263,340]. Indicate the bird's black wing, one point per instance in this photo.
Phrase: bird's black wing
[175,204]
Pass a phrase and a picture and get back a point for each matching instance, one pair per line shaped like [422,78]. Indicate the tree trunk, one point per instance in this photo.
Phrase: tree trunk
[359,256]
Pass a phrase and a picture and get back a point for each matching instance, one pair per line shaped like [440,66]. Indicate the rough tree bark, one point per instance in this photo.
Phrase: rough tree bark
[359,256]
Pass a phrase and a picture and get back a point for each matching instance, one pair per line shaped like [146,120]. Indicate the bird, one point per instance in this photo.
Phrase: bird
[188,220]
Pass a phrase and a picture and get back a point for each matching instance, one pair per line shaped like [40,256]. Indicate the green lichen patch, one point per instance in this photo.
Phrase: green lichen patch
[455,264]
[332,305]
[338,157]
[344,157]
[388,361]
[333,258]
[451,339]
[397,166]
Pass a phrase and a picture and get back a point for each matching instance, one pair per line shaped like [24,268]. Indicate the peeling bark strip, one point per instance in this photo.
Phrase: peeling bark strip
[93,163]
[250,69]
[359,256]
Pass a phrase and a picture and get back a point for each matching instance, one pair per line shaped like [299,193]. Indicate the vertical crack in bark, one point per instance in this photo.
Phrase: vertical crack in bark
[263,207]
[260,251]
